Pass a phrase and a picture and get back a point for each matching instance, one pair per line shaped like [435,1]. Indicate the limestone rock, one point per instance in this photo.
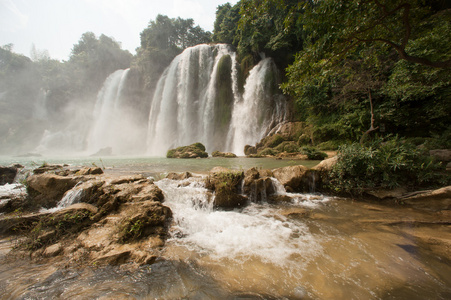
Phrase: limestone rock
[223,154]
[326,165]
[90,171]
[439,199]
[293,178]
[441,154]
[48,189]
[53,250]
[7,174]
[179,176]
[196,150]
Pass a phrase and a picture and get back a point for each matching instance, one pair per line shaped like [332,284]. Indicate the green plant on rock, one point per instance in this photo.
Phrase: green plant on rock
[384,164]
[313,153]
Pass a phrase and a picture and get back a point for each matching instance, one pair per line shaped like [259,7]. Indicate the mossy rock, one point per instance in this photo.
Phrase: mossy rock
[288,146]
[268,152]
[196,150]
[223,154]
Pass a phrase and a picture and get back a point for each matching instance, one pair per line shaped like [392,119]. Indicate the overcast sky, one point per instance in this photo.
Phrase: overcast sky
[56,25]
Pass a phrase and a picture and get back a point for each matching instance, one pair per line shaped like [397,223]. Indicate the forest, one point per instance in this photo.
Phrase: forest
[356,71]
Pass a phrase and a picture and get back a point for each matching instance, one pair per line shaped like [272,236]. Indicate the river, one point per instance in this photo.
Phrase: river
[315,247]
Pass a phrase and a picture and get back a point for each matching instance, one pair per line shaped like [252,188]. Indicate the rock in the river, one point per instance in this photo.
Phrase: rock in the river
[226,186]
[179,176]
[439,199]
[223,154]
[47,189]
[196,150]
[293,178]
[441,154]
[7,174]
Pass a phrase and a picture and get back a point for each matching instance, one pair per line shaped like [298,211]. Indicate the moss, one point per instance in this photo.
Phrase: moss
[191,151]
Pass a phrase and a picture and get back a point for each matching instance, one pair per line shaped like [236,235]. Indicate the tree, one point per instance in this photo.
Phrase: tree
[162,40]
[392,23]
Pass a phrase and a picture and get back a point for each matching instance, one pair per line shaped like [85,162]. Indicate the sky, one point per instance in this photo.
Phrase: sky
[56,25]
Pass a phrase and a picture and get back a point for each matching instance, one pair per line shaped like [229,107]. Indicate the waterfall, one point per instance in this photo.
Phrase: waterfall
[260,108]
[115,123]
[197,100]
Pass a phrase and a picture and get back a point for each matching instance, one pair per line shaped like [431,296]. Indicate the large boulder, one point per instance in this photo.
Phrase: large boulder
[257,184]
[293,178]
[436,200]
[226,186]
[196,150]
[7,174]
[47,189]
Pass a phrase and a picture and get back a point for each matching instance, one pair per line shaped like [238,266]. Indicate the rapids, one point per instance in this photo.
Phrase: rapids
[314,247]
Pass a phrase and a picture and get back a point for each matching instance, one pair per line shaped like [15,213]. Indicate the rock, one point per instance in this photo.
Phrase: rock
[436,200]
[114,258]
[47,189]
[257,187]
[448,167]
[179,176]
[387,194]
[47,168]
[223,154]
[220,170]
[326,165]
[441,154]
[226,186]
[293,177]
[276,198]
[7,174]
[90,171]
[196,150]
[74,208]
[248,150]
[52,250]
[126,179]
[296,212]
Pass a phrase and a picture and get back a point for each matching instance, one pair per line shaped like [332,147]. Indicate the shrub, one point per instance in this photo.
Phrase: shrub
[268,151]
[287,146]
[313,153]
[384,165]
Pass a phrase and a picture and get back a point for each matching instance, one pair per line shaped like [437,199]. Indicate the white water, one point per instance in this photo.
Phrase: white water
[114,121]
[185,105]
[255,232]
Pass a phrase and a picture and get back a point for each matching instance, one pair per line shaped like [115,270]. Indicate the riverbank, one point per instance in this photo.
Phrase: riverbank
[308,246]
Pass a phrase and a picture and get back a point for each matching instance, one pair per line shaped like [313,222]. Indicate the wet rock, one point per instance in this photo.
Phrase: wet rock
[220,170]
[114,258]
[179,176]
[127,179]
[293,178]
[7,174]
[249,150]
[226,186]
[387,194]
[223,154]
[53,250]
[47,169]
[47,189]
[90,171]
[196,150]
[275,198]
[439,199]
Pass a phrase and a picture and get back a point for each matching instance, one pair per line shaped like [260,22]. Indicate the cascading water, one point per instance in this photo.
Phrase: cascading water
[197,100]
[259,110]
[114,124]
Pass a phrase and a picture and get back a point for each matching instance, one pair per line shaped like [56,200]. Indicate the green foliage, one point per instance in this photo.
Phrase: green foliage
[313,153]
[162,40]
[288,146]
[192,151]
[384,165]
[268,152]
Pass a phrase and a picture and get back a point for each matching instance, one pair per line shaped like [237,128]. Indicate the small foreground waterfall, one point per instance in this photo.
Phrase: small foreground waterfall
[197,99]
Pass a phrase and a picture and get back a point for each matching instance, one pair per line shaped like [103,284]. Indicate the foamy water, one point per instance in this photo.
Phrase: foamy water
[257,231]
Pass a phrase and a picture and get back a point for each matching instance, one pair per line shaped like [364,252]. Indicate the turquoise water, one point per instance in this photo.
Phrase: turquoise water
[157,165]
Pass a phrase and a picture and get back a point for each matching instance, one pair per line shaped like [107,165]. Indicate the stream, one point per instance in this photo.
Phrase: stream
[314,247]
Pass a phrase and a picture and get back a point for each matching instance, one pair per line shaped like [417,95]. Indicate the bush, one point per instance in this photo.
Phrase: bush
[329,145]
[268,151]
[313,154]
[287,146]
[384,165]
